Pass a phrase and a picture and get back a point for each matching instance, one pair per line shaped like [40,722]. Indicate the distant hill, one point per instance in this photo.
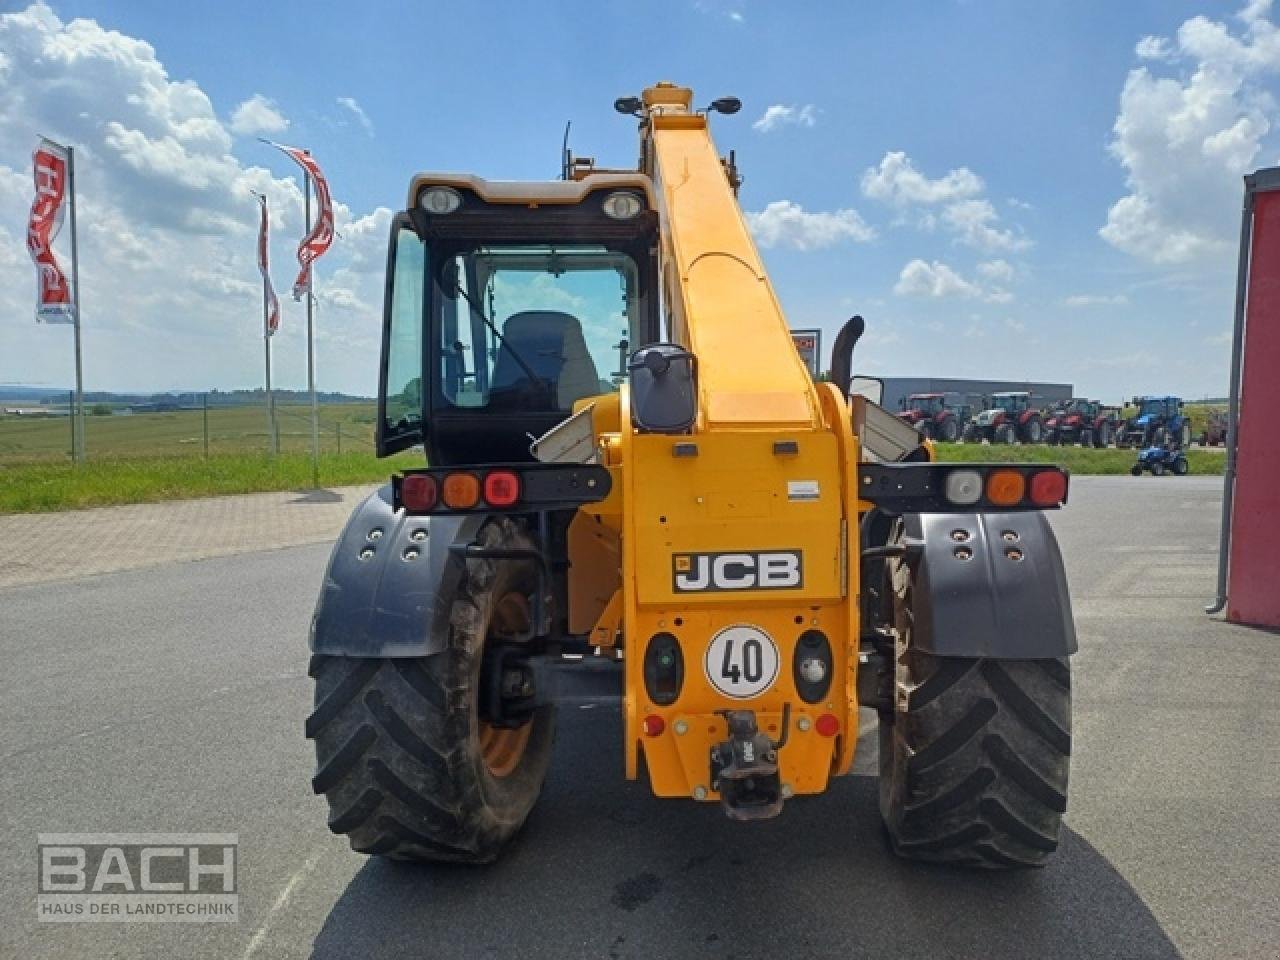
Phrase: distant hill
[16,393]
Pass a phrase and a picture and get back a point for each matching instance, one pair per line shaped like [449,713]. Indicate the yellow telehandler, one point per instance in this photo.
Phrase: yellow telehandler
[638,497]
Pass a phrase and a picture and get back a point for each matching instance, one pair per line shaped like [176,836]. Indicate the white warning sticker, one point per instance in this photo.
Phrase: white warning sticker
[803,490]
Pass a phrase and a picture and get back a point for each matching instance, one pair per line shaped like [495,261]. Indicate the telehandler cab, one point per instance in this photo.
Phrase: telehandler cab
[734,556]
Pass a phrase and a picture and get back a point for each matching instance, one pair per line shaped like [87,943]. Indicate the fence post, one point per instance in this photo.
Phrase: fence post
[338,429]
[206,426]
[71,418]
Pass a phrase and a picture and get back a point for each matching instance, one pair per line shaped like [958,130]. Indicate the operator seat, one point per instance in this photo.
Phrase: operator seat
[552,345]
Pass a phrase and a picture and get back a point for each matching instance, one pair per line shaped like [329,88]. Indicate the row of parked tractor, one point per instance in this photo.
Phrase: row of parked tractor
[1016,417]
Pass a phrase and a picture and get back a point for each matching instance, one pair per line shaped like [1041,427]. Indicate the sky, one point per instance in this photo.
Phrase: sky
[1045,191]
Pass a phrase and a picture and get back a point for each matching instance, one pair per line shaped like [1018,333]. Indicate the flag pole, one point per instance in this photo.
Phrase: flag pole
[266,344]
[311,346]
[78,412]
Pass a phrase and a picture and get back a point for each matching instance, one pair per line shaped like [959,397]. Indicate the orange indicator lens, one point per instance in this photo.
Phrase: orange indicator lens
[1005,487]
[461,491]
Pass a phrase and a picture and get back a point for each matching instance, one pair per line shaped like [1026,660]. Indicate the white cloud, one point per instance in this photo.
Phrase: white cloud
[256,116]
[167,225]
[898,182]
[1095,300]
[1000,270]
[964,211]
[973,221]
[357,111]
[786,224]
[937,280]
[1153,48]
[781,115]
[1185,139]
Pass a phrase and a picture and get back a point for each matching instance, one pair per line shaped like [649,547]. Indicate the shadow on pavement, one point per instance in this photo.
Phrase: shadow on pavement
[603,869]
[317,496]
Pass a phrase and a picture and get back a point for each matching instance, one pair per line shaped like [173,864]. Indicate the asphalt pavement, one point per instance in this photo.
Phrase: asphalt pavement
[172,699]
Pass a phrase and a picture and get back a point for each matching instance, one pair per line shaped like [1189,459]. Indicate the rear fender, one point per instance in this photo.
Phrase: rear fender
[390,582]
[988,605]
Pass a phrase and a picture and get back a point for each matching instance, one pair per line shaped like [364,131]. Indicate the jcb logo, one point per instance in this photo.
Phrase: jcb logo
[771,570]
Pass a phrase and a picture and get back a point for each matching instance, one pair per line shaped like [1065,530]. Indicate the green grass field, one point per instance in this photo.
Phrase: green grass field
[1079,460]
[145,457]
[160,456]
[241,429]
[41,487]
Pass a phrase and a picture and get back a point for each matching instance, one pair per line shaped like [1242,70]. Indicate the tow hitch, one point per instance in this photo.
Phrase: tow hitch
[744,768]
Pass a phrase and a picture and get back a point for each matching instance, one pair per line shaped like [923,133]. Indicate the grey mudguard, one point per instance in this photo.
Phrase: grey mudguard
[380,604]
[992,604]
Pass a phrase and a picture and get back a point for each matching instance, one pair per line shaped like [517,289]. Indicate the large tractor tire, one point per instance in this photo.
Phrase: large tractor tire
[1180,466]
[1004,434]
[974,754]
[410,769]
[1102,436]
[949,430]
[971,433]
[1033,430]
[925,429]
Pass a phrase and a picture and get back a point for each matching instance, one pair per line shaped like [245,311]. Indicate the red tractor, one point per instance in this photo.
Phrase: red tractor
[1214,433]
[1085,422]
[932,416]
[1010,417]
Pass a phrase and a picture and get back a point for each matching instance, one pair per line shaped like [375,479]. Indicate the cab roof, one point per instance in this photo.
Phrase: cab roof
[532,191]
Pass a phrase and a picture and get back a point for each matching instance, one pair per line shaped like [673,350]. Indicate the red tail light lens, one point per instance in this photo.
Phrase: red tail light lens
[827,725]
[653,725]
[418,492]
[1048,488]
[501,488]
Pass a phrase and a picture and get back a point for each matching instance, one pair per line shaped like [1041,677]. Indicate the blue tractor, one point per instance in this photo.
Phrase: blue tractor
[1160,422]
[1157,460]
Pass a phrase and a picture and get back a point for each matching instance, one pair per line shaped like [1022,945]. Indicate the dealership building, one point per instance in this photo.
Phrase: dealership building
[897,389]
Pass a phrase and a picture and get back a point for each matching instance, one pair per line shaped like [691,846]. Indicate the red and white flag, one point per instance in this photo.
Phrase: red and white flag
[55,303]
[315,243]
[264,267]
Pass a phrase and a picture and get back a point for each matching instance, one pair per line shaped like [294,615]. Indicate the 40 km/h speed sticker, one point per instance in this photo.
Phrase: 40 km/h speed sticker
[742,661]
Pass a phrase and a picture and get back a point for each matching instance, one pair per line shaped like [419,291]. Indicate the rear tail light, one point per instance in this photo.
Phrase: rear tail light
[1048,488]
[461,491]
[501,488]
[653,725]
[418,492]
[827,725]
[1005,488]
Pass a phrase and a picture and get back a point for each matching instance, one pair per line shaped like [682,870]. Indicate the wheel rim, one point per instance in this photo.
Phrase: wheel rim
[502,748]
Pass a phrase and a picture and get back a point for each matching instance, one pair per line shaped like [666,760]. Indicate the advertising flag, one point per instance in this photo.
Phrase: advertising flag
[264,267]
[54,303]
[315,243]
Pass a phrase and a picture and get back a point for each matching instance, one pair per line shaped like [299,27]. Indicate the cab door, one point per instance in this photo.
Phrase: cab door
[400,381]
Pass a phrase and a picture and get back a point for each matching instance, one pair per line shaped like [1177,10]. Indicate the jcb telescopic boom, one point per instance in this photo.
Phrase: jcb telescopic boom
[733,555]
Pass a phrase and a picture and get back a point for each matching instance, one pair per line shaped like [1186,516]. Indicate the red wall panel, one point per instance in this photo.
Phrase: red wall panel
[1253,586]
